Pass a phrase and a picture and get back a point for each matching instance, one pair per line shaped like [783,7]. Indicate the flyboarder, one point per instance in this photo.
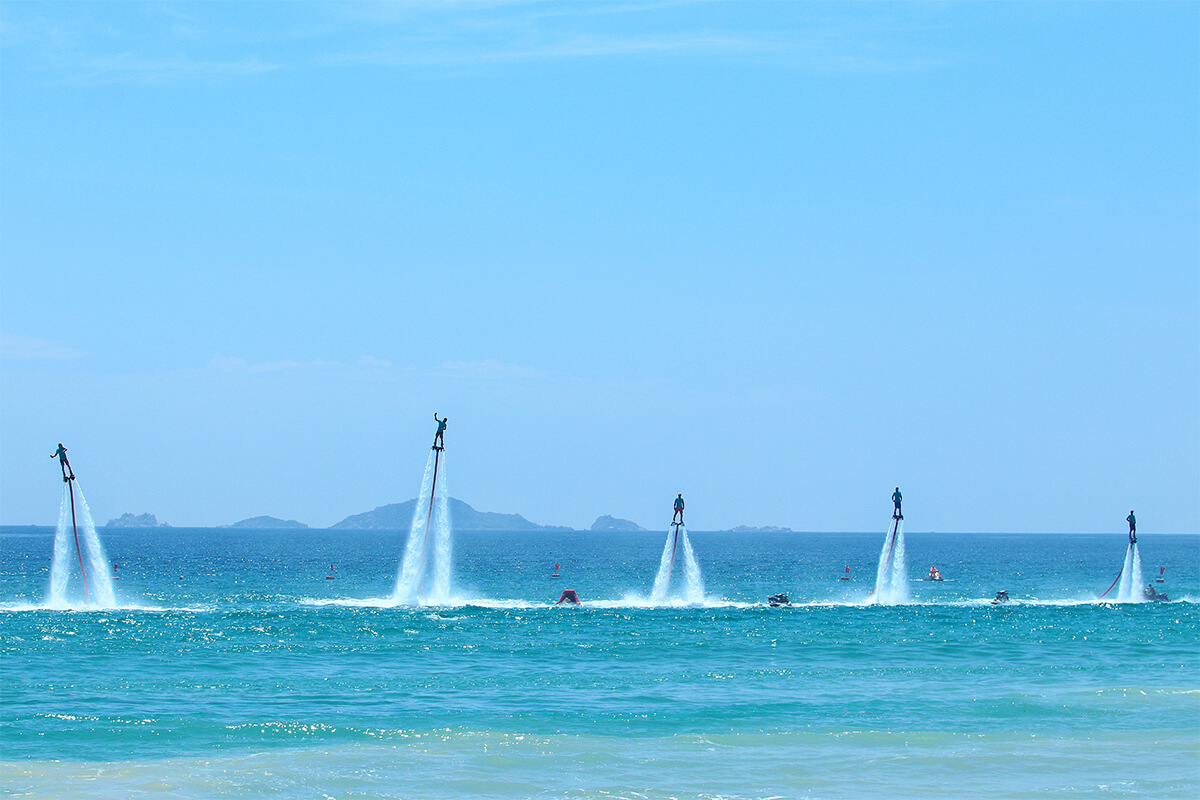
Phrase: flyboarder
[678,509]
[61,455]
[438,442]
[1132,520]
[896,498]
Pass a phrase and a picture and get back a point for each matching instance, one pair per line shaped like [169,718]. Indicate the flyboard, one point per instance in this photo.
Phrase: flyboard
[437,457]
[891,548]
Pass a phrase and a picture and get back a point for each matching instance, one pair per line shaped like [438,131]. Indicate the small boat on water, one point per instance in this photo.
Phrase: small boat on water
[776,600]
[933,575]
[1001,598]
[1151,594]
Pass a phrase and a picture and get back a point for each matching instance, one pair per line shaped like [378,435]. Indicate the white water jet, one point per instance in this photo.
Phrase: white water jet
[678,544]
[438,590]
[60,565]
[424,575]
[891,576]
[1130,590]
[693,590]
[66,585]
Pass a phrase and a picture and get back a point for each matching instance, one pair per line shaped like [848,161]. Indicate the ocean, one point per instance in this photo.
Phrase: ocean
[232,665]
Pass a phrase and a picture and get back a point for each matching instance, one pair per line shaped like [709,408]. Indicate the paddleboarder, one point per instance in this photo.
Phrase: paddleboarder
[678,509]
[61,455]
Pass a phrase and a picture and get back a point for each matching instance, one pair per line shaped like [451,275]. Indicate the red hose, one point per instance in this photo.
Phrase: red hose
[1114,583]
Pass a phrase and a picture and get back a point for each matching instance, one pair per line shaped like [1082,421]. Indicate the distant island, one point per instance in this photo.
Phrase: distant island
[606,523]
[763,529]
[128,520]
[398,516]
[267,522]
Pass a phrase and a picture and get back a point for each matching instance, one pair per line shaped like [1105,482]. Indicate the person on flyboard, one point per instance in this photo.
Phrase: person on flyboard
[438,442]
[61,455]
[1131,519]
[896,498]
[678,509]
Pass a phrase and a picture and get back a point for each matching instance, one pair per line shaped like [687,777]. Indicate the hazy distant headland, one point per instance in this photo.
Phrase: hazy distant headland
[606,523]
[398,516]
[267,522]
[128,520]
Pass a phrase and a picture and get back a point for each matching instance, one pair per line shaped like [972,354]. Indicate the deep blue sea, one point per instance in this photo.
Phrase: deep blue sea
[234,667]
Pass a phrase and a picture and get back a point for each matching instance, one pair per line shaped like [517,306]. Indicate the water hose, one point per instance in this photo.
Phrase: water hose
[1114,583]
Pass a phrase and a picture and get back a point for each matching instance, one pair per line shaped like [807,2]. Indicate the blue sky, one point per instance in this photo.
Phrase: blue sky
[779,257]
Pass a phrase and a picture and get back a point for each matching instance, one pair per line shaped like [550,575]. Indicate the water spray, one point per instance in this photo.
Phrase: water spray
[75,528]
[437,457]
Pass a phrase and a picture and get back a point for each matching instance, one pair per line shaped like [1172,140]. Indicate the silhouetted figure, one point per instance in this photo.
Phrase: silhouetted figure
[61,455]
[678,510]
[896,498]
[438,442]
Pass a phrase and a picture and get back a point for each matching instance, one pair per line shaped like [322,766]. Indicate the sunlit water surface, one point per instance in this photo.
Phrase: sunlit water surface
[233,666]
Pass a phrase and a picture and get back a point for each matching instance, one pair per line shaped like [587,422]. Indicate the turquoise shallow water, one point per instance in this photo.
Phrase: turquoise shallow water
[235,668]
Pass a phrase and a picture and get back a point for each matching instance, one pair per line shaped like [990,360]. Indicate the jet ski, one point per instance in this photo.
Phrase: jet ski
[933,575]
[1001,598]
[1150,594]
[778,600]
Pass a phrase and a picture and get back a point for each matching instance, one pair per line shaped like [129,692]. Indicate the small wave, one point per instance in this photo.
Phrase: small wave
[390,602]
[641,601]
[85,608]
[628,602]
[351,602]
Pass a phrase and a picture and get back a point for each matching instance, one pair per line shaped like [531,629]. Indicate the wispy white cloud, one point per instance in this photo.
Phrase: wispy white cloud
[565,46]
[371,362]
[487,369]
[819,38]
[27,348]
[131,67]
[164,43]
[235,364]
